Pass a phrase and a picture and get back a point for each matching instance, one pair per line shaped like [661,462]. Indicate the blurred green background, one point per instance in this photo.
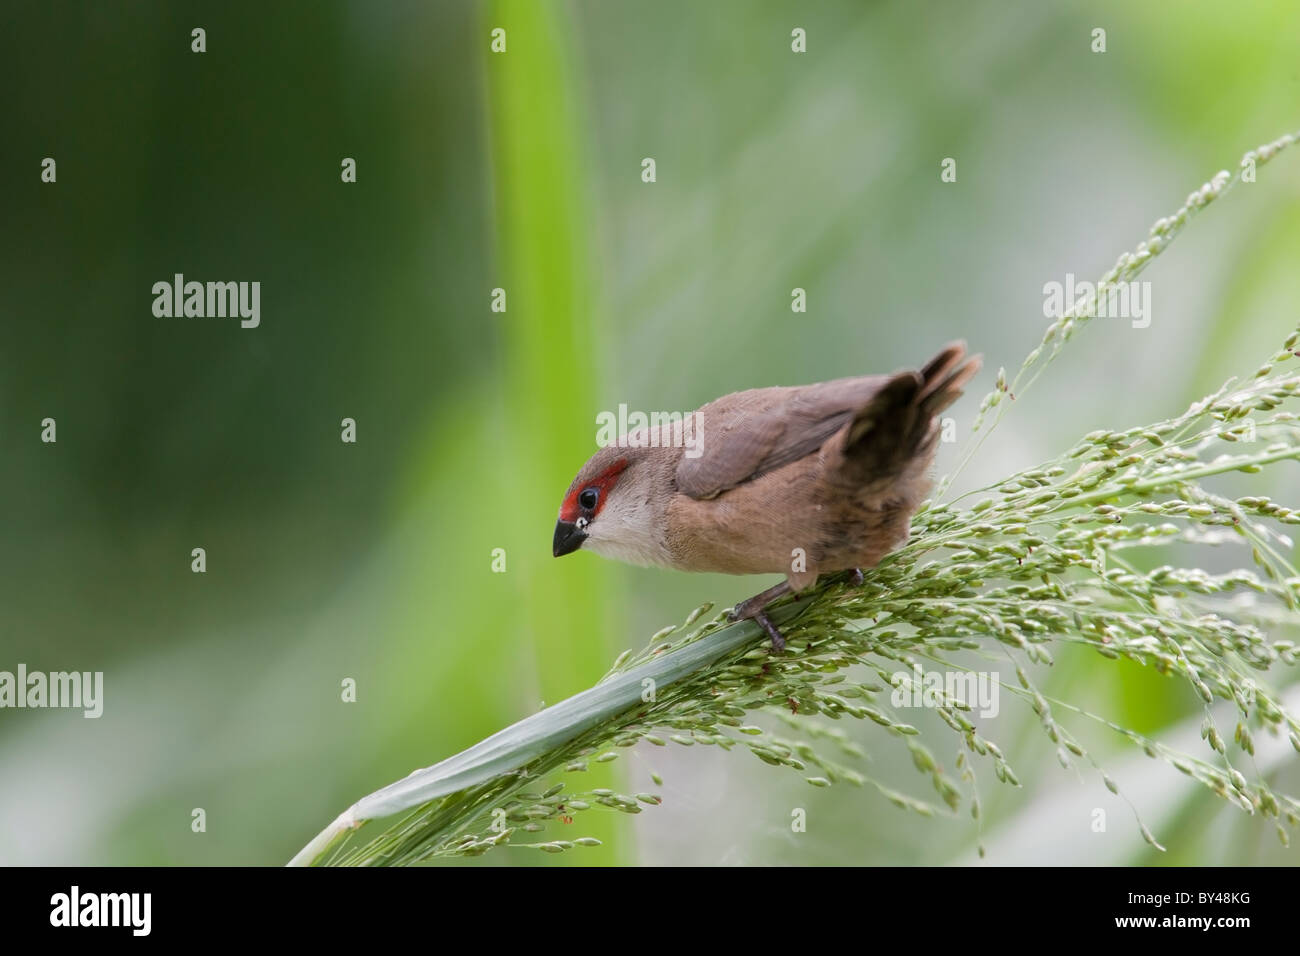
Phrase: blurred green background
[522,170]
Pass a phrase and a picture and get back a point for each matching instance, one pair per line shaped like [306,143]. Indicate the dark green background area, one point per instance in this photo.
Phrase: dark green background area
[373,561]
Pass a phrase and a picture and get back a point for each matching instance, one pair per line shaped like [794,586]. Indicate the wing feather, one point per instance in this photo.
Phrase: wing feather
[748,434]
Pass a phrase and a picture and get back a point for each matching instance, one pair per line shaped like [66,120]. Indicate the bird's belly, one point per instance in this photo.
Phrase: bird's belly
[788,527]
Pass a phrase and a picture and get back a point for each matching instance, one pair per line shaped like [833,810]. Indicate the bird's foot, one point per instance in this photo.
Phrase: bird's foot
[754,610]
[855,578]
[778,641]
[762,620]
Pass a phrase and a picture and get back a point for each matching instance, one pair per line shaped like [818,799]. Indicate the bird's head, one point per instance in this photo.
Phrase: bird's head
[614,508]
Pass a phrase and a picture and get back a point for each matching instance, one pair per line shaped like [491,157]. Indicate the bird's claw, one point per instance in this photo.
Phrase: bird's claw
[778,641]
[738,613]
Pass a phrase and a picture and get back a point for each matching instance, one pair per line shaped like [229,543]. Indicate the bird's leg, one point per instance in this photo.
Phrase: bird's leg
[855,578]
[747,609]
[753,609]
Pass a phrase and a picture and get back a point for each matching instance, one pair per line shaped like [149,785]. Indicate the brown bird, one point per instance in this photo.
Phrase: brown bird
[801,481]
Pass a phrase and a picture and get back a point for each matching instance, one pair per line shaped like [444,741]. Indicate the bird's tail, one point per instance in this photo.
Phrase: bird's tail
[945,375]
[895,432]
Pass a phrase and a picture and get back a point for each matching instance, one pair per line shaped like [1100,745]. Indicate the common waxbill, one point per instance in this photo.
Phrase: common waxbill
[801,481]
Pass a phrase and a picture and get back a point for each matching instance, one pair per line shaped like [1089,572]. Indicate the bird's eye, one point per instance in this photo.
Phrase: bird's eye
[588,498]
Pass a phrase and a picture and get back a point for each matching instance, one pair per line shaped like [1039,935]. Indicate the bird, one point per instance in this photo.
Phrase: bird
[804,481]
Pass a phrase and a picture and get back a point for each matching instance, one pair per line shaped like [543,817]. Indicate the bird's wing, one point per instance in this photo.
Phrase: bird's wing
[748,434]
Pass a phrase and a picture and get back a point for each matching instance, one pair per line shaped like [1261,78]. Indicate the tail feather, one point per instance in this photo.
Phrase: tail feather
[945,376]
[897,426]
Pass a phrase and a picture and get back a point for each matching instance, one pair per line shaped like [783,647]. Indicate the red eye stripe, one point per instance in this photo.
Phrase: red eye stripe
[570,510]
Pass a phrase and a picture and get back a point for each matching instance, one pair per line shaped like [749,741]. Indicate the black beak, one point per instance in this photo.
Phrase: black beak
[568,538]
